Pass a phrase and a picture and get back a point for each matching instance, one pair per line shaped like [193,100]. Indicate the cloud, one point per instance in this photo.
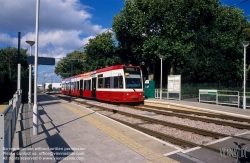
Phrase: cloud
[48,75]
[54,15]
[6,39]
[59,43]
[64,25]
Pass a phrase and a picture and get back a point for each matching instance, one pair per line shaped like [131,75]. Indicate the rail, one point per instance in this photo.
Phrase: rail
[8,124]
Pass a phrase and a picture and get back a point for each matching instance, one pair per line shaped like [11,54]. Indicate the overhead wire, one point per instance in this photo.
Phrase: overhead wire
[239,3]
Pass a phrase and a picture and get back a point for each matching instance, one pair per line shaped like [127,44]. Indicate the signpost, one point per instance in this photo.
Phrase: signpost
[41,60]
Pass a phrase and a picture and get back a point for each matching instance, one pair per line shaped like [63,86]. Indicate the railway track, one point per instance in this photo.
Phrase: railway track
[199,113]
[180,142]
[203,119]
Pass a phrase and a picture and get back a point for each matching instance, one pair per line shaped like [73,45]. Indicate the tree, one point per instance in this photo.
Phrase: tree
[146,29]
[75,59]
[50,87]
[8,63]
[217,55]
[199,39]
[101,52]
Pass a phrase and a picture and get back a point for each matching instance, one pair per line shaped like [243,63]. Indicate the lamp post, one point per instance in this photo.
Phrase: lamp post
[35,112]
[31,43]
[245,44]
[161,57]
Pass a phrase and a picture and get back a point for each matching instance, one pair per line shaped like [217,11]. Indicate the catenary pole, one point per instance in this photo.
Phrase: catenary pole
[18,64]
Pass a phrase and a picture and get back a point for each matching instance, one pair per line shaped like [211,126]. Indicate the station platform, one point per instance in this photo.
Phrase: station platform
[68,132]
[194,104]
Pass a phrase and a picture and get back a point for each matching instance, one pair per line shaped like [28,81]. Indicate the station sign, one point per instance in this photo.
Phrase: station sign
[174,83]
[41,60]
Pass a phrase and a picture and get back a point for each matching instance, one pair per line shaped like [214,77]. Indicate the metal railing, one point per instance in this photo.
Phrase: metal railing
[167,95]
[8,124]
[164,94]
[223,97]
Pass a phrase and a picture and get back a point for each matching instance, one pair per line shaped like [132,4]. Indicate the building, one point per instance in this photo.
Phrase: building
[55,86]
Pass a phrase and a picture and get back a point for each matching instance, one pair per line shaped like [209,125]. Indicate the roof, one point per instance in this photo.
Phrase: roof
[115,67]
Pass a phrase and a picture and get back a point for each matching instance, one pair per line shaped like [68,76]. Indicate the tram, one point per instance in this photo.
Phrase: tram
[118,83]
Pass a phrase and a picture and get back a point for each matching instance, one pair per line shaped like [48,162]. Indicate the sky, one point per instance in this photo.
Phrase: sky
[64,26]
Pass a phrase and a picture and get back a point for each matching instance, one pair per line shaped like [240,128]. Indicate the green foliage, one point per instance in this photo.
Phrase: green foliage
[8,63]
[50,87]
[146,29]
[101,52]
[198,39]
[191,90]
[75,59]
[217,55]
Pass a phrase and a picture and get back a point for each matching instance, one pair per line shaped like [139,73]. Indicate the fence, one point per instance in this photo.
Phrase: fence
[8,124]
[224,97]
[166,94]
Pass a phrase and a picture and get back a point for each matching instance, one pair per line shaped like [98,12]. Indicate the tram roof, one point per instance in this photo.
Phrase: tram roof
[115,67]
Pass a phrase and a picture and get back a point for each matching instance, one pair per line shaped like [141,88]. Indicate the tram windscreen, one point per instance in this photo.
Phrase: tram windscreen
[132,77]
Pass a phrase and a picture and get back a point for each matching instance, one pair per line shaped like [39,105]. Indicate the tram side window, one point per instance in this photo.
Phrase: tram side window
[107,82]
[118,82]
[76,87]
[111,82]
[86,84]
[89,82]
[100,82]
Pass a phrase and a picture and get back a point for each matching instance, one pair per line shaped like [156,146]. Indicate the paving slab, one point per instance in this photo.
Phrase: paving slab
[71,133]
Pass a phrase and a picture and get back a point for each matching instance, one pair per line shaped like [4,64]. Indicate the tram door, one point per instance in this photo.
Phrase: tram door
[93,87]
[81,87]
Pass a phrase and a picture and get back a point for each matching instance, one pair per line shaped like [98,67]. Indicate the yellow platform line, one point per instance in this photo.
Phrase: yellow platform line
[130,143]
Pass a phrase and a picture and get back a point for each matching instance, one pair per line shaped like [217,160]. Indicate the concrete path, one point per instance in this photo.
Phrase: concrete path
[71,133]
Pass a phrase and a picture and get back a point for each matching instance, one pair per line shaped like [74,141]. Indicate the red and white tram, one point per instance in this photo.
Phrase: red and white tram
[117,83]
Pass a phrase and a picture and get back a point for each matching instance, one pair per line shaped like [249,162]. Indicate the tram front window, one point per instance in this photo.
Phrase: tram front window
[132,77]
[133,81]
